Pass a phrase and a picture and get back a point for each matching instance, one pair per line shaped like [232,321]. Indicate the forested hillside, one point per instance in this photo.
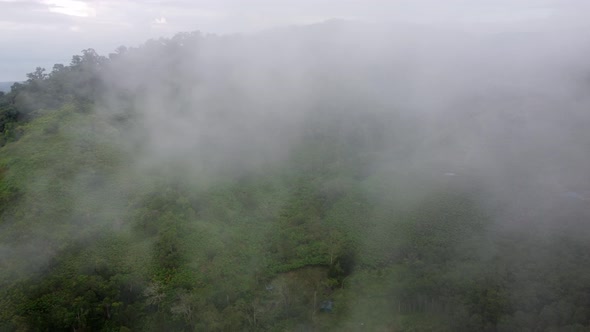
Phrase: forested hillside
[333,177]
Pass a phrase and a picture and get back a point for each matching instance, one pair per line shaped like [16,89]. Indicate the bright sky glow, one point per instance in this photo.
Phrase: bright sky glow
[70,7]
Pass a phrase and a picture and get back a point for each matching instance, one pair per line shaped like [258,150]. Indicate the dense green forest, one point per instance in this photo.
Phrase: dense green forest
[279,182]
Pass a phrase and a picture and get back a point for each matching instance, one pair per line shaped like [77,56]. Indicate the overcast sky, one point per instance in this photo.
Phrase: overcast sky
[44,32]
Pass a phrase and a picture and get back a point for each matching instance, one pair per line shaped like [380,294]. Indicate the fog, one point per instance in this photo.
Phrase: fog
[500,110]
[387,113]
[504,107]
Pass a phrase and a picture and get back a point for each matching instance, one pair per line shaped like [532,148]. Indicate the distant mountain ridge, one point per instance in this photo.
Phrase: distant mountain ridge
[5,86]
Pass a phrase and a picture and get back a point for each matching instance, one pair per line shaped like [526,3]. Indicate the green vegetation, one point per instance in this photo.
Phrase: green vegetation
[91,240]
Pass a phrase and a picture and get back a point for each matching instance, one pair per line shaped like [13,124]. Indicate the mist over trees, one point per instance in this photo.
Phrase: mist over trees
[338,176]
